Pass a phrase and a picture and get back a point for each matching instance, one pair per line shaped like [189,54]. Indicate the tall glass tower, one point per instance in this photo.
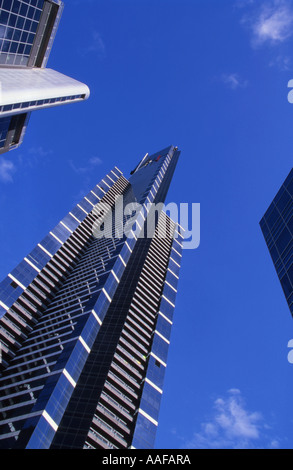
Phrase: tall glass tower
[277,228]
[27,32]
[86,317]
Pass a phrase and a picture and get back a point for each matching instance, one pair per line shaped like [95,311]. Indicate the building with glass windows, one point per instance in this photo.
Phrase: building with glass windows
[27,32]
[86,318]
[277,228]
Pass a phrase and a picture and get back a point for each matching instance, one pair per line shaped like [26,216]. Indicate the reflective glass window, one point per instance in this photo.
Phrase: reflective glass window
[18,22]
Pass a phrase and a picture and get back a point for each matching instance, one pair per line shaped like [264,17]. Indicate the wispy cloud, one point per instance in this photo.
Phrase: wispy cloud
[88,167]
[85,174]
[232,426]
[39,151]
[234,81]
[7,170]
[270,22]
[35,156]
[32,157]
[283,62]
[28,159]
[274,24]
[95,161]
[96,46]
[270,26]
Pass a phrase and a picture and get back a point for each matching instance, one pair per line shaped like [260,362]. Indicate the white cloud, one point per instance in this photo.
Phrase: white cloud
[7,169]
[274,24]
[234,420]
[95,161]
[85,172]
[96,46]
[33,157]
[270,22]
[282,62]
[90,164]
[234,81]
[40,151]
[22,161]
[232,426]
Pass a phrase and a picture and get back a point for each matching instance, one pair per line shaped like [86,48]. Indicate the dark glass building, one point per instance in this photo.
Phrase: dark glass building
[27,32]
[86,317]
[277,228]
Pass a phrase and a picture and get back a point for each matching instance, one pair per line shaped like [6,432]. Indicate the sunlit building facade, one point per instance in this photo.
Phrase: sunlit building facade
[86,318]
[27,32]
[277,228]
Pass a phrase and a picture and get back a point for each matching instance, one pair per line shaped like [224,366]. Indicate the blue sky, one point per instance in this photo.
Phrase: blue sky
[211,77]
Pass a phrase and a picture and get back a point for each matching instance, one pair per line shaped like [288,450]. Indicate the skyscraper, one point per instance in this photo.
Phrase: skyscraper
[277,228]
[27,32]
[86,317]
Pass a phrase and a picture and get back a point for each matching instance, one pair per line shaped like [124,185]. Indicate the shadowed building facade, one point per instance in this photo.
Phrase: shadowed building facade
[27,32]
[86,318]
[277,228]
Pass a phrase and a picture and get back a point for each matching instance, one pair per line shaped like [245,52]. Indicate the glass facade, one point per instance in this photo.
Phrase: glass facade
[27,32]
[277,228]
[19,20]
[85,323]
[12,129]
[4,126]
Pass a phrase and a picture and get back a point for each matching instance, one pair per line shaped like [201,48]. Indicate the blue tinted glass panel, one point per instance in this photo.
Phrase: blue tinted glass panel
[19,21]
[163,327]
[156,372]
[150,401]
[70,222]
[51,244]
[160,348]
[24,273]
[4,127]
[61,232]
[145,433]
